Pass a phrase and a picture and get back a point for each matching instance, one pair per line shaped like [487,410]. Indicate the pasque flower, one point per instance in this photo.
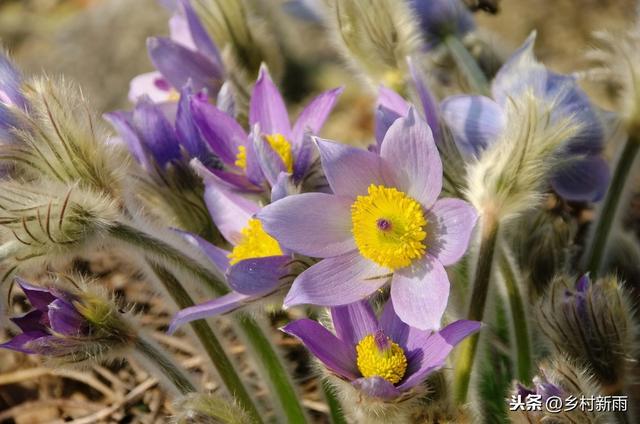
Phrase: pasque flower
[383,222]
[477,121]
[273,147]
[10,96]
[256,267]
[189,54]
[67,325]
[442,18]
[383,358]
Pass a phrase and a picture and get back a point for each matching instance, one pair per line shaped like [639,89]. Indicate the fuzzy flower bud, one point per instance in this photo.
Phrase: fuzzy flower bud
[69,326]
[375,37]
[593,324]
[208,409]
[560,379]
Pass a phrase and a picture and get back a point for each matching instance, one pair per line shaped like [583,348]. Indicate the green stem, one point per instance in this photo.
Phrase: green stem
[169,370]
[524,364]
[163,252]
[596,248]
[271,364]
[480,290]
[467,65]
[335,409]
[209,341]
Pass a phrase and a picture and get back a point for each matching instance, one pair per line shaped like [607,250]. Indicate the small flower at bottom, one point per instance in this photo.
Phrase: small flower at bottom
[382,358]
[69,326]
[383,222]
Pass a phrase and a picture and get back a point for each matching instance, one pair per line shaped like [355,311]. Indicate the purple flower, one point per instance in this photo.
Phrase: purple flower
[383,222]
[256,266]
[541,387]
[382,358]
[189,55]
[47,329]
[477,121]
[10,97]
[273,147]
[439,19]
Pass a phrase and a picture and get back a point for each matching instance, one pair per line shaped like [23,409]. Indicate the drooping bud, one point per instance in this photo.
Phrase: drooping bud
[592,323]
[70,325]
[199,408]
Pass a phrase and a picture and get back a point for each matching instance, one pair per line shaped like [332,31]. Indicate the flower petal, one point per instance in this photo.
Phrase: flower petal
[38,297]
[258,276]
[450,223]
[377,387]
[187,130]
[390,107]
[31,321]
[64,318]
[409,147]
[156,132]
[474,121]
[19,342]
[270,162]
[429,104]
[201,39]
[313,224]
[152,85]
[267,107]
[420,293]
[223,304]
[283,187]
[337,281]
[218,256]
[221,131]
[434,349]
[354,321]
[314,115]
[10,83]
[350,171]
[336,355]
[583,179]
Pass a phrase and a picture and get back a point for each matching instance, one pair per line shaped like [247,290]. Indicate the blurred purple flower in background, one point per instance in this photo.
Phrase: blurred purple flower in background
[10,96]
[382,358]
[439,19]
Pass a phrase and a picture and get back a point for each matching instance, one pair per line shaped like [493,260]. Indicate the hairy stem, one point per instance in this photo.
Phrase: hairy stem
[209,341]
[335,409]
[150,351]
[480,290]
[593,256]
[524,364]
[467,65]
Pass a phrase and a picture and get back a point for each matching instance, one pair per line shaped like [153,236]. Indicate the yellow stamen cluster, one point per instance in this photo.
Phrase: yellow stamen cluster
[278,143]
[388,227]
[388,362]
[283,148]
[255,243]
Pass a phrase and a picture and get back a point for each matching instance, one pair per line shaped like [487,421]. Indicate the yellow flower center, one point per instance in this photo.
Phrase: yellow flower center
[388,227]
[278,143]
[378,355]
[255,243]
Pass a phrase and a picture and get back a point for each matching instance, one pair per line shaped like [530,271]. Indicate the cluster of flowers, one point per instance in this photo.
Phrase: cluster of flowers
[331,225]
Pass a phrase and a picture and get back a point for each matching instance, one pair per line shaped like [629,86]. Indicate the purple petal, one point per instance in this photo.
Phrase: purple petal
[354,322]
[151,85]
[283,187]
[420,293]
[223,304]
[156,133]
[269,161]
[221,131]
[38,297]
[123,123]
[336,355]
[516,72]
[303,156]
[450,223]
[434,349]
[390,107]
[377,387]
[229,211]
[187,130]
[178,65]
[201,39]
[314,115]
[429,104]
[218,256]
[337,281]
[258,276]
[394,327]
[474,121]
[350,171]
[226,100]
[267,107]
[179,31]
[583,179]
[19,342]
[409,147]
[313,224]
[64,318]
[34,320]
[10,83]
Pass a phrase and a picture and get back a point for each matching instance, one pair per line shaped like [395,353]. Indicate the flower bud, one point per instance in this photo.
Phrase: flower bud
[208,409]
[70,325]
[593,324]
